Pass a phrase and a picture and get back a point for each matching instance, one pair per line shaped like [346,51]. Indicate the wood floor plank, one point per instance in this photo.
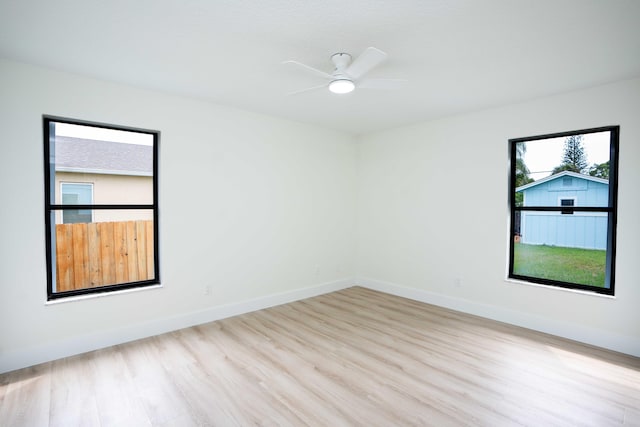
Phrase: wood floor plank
[27,397]
[161,398]
[73,397]
[355,357]
[117,397]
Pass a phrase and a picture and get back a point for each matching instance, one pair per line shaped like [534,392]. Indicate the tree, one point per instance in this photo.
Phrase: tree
[573,158]
[522,171]
[600,170]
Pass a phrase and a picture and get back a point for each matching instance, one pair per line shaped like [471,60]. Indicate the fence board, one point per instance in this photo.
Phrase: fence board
[106,253]
[80,255]
[150,249]
[64,258]
[121,256]
[132,251]
[95,265]
[141,241]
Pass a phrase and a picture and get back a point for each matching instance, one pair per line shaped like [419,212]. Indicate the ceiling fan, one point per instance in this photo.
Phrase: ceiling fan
[348,74]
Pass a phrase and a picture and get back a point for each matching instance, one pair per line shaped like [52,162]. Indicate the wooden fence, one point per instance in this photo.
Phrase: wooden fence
[103,253]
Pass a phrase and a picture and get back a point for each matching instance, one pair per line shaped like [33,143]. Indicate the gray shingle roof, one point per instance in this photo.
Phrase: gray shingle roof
[87,155]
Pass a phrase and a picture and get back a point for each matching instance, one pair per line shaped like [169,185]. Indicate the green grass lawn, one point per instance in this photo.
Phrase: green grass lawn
[583,266]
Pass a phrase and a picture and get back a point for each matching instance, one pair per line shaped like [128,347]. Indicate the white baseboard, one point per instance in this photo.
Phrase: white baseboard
[23,358]
[596,337]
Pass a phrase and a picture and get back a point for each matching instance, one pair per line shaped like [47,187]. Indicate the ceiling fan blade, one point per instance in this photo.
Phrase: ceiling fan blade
[311,69]
[367,60]
[307,89]
[382,83]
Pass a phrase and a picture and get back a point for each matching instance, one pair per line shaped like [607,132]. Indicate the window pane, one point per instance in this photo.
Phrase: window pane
[563,248]
[76,194]
[587,154]
[74,216]
[108,160]
[116,248]
[586,230]
[574,167]
[561,264]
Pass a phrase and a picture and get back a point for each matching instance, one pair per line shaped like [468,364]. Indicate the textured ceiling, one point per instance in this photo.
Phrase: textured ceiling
[456,55]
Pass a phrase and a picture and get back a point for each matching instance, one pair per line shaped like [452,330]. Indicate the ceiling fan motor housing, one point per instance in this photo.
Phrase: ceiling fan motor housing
[341,60]
[342,82]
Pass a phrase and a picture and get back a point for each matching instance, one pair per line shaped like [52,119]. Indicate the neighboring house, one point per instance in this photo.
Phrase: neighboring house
[586,230]
[95,172]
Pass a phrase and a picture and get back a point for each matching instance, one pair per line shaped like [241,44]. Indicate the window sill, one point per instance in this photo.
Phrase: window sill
[101,295]
[558,288]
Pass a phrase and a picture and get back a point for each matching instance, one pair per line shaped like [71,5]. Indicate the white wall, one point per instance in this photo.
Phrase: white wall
[259,209]
[432,208]
[265,211]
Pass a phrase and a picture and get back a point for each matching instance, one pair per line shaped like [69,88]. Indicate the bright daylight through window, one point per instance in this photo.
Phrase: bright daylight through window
[101,210]
[562,196]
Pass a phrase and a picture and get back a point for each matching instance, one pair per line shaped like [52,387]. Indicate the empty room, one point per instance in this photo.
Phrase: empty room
[362,213]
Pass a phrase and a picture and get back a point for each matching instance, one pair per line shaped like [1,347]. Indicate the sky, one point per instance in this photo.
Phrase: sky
[545,154]
[102,134]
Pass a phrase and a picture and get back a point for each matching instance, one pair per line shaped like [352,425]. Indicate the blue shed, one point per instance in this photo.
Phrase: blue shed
[586,230]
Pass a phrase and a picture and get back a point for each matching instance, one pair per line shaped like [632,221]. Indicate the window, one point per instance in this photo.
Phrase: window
[568,203]
[101,207]
[563,200]
[76,194]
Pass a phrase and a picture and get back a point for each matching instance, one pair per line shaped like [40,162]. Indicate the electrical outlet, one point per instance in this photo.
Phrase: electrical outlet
[207,289]
[457,282]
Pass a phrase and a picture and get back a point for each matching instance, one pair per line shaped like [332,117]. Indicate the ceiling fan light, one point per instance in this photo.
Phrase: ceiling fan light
[341,86]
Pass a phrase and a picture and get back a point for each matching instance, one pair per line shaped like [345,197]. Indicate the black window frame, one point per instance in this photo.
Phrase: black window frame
[49,208]
[611,210]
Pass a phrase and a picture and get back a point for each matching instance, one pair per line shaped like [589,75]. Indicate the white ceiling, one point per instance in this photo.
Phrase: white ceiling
[457,55]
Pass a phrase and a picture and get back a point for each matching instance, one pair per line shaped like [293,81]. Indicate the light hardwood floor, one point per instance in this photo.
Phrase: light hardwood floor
[351,358]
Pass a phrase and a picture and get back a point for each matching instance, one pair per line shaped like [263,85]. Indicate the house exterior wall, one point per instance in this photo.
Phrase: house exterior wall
[579,230]
[108,189]
[587,193]
[587,230]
